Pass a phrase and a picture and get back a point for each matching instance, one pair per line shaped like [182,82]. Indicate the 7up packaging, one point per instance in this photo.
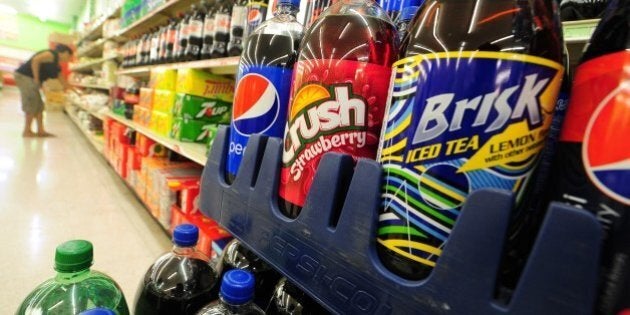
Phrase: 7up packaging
[190,130]
[457,122]
[201,108]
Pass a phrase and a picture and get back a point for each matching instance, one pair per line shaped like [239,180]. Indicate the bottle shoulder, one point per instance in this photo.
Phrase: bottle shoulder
[282,24]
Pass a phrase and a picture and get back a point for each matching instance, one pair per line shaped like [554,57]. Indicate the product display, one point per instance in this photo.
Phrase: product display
[477,161]
[263,87]
[180,282]
[75,288]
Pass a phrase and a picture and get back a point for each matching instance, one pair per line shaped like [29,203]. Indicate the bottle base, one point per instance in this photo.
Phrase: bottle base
[401,266]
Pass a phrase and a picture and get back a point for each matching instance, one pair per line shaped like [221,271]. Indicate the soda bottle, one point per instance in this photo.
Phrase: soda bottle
[591,169]
[75,288]
[171,40]
[146,48]
[221,29]
[394,8]
[139,46]
[195,33]
[402,22]
[184,31]
[314,9]
[237,294]
[256,14]
[571,10]
[155,40]
[264,81]
[444,137]
[177,48]
[179,282]
[208,32]
[161,56]
[238,27]
[288,299]
[338,94]
[236,256]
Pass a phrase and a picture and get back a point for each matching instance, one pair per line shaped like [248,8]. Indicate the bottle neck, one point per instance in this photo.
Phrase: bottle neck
[72,277]
[184,250]
[286,8]
[234,308]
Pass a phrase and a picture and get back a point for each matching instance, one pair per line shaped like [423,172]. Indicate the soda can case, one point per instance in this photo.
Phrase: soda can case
[329,252]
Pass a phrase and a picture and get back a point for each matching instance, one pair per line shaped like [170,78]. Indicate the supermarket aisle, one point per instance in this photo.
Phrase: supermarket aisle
[57,189]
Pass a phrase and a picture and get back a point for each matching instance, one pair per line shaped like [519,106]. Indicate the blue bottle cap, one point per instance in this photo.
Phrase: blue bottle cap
[98,311]
[295,3]
[185,235]
[237,286]
[408,13]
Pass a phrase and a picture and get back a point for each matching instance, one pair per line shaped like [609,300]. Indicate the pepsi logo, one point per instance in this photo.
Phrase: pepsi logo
[254,17]
[256,105]
[606,152]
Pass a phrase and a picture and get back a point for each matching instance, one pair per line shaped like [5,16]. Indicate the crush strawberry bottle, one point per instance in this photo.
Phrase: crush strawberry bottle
[338,95]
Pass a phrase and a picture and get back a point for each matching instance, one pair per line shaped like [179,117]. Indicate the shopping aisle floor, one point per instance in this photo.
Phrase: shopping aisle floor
[57,189]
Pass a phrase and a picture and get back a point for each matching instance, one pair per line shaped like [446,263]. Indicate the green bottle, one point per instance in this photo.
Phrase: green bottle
[75,288]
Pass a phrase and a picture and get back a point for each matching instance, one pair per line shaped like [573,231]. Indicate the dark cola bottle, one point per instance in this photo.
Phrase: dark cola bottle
[445,137]
[208,31]
[591,169]
[288,299]
[221,29]
[237,256]
[195,33]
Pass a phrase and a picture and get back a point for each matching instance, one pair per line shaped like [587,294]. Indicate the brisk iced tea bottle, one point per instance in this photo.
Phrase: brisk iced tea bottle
[338,94]
[470,107]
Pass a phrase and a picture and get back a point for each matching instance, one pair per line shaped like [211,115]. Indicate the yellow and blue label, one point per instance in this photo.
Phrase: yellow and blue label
[457,122]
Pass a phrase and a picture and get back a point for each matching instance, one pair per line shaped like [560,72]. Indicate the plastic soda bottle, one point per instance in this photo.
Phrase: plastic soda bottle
[264,81]
[338,95]
[76,287]
[236,297]
[179,282]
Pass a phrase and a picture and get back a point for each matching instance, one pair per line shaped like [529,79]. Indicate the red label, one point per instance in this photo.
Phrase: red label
[593,82]
[336,106]
[599,117]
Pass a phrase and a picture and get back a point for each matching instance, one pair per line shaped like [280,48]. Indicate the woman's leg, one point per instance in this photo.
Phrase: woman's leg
[28,132]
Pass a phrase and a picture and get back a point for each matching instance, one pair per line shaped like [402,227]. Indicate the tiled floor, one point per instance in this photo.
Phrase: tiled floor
[58,189]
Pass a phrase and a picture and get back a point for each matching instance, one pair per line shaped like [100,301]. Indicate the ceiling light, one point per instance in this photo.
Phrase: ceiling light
[7,9]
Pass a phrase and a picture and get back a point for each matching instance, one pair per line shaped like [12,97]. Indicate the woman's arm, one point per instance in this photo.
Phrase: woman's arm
[36,63]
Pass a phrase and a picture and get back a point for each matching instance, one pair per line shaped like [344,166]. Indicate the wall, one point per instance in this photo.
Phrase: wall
[28,32]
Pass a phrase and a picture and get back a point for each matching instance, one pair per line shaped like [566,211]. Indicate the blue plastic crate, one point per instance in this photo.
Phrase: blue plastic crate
[338,264]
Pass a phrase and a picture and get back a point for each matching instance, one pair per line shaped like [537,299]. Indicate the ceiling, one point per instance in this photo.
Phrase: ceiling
[51,10]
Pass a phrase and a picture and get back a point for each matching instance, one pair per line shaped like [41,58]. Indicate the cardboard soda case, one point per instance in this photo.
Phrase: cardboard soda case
[191,130]
[201,83]
[201,108]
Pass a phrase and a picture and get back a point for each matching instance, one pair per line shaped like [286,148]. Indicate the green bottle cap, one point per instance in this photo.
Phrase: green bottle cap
[73,256]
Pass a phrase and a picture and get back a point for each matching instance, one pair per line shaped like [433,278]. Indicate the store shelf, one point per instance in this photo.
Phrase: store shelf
[93,49]
[92,86]
[157,17]
[88,66]
[228,65]
[96,141]
[92,112]
[97,30]
[576,32]
[193,151]
[329,249]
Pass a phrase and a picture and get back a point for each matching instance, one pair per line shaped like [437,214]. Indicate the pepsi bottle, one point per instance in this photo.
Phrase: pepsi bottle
[238,28]
[183,37]
[195,33]
[264,81]
[208,32]
[221,29]
[256,14]
[591,169]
